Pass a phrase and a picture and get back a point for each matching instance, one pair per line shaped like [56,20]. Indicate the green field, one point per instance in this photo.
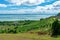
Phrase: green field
[26,30]
[26,25]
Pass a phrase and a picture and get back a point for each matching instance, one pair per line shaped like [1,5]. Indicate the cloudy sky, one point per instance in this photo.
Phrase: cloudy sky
[29,6]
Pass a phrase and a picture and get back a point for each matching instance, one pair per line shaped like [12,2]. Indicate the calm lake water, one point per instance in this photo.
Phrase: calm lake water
[14,17]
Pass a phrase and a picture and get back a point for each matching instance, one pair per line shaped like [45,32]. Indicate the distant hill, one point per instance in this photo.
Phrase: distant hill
[58,16]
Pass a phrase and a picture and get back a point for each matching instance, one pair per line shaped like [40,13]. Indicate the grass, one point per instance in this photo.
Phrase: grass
[26,36]
[27,27]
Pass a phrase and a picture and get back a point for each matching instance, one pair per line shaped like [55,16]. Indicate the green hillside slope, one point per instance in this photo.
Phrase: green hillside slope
[25,26]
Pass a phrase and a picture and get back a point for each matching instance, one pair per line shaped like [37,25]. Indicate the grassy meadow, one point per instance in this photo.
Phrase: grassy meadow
[26,36]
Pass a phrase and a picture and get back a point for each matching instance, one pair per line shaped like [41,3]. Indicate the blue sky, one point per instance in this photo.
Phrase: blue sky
[29,6]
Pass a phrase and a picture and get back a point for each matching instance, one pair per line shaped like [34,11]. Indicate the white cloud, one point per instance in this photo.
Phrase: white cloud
[52,8]
[56,4]
[19,11]
[3,5]
[26,2]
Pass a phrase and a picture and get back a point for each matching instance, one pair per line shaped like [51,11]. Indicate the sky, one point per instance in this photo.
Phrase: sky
[29,6]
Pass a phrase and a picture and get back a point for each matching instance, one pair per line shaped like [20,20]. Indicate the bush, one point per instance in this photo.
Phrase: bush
[55,28]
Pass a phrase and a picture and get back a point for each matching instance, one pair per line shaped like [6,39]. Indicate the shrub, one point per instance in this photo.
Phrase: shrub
[55,28]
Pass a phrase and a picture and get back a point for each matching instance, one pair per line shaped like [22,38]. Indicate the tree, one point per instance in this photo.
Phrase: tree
[55,28]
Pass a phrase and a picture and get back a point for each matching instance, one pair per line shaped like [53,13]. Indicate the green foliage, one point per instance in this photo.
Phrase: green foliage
[55,28]
[25,26]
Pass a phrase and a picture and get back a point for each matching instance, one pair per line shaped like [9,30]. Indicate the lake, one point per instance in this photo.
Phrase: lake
[15,17]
